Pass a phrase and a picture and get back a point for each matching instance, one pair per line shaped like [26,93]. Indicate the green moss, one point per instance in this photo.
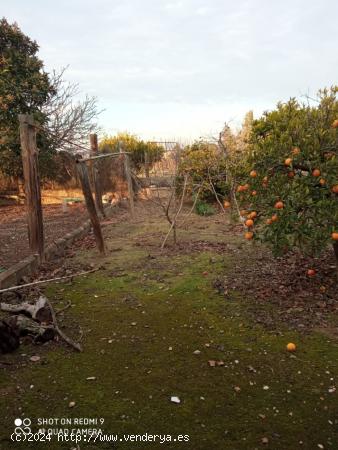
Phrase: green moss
[142,319]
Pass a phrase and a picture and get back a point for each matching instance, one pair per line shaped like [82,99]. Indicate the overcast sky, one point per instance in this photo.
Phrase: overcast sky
[165,69]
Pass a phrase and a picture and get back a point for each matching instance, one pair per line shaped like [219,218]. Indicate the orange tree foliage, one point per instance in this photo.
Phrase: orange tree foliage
[136,147]
[291,177]
[204,162]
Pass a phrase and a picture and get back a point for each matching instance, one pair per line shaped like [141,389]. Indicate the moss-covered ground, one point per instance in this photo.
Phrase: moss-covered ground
[142,317]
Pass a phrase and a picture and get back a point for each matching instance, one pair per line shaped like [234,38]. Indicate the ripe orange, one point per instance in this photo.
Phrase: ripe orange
[274,218]
[288,161]
[268,221]
[242,188]
[316,172]
[243,212]
[334,189]
[279,205]
[322,181]
[335,124]
[249,223]
[311,272]
[291,174]
[291,347]
[334,236]
[295,150]
[254,193]
[253,174]
[226,204]
[248,235]
[252,215]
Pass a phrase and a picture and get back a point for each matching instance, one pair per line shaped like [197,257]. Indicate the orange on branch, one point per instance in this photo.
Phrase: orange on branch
[279,205]
[322,181]
[316,172]
[334,235]
[335,124]
[274,218]
[248,235]
[249,223]
[268,221]
[311,272]
[252,215]
[288,161]
[253,193]
[253,174]
[334,189]
[226,204]
[291,174]
[295,150]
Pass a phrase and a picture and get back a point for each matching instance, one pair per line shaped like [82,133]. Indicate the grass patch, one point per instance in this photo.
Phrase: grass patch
[143,318]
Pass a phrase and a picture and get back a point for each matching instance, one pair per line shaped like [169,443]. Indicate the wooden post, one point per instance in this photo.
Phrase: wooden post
[146,164]
[84,178]
[29,154]
[96,174]
[129,182]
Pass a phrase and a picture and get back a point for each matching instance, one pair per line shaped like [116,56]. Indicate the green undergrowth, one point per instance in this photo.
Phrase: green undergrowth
[142,318]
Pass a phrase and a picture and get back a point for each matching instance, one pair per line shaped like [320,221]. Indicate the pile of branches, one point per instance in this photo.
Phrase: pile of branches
[37,320]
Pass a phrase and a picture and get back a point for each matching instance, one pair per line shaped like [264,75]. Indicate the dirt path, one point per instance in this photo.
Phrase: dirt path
[161,324]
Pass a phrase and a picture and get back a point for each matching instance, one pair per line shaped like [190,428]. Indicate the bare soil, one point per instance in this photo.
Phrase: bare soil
[13,229]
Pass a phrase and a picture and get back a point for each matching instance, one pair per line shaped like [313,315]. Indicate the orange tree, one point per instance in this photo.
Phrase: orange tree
[290,189]
[205,164]
[136,147]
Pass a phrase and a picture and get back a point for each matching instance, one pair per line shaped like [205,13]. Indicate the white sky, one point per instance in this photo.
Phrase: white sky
[180,69]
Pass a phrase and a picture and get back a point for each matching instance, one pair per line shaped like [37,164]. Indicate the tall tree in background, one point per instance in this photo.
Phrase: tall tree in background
[24,89]
[69,120]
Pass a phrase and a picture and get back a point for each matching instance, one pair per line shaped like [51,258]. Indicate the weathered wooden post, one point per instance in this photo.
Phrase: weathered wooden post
[146,164]
[29,154]
[84,179]
[127,172]
[96,174]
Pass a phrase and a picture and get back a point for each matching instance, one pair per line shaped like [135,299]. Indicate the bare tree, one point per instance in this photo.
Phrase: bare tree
[70,120]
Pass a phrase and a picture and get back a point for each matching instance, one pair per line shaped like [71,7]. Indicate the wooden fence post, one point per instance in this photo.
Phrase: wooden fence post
[29,154]
[127,172]
[96,174]
[146,164]
[84,178]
